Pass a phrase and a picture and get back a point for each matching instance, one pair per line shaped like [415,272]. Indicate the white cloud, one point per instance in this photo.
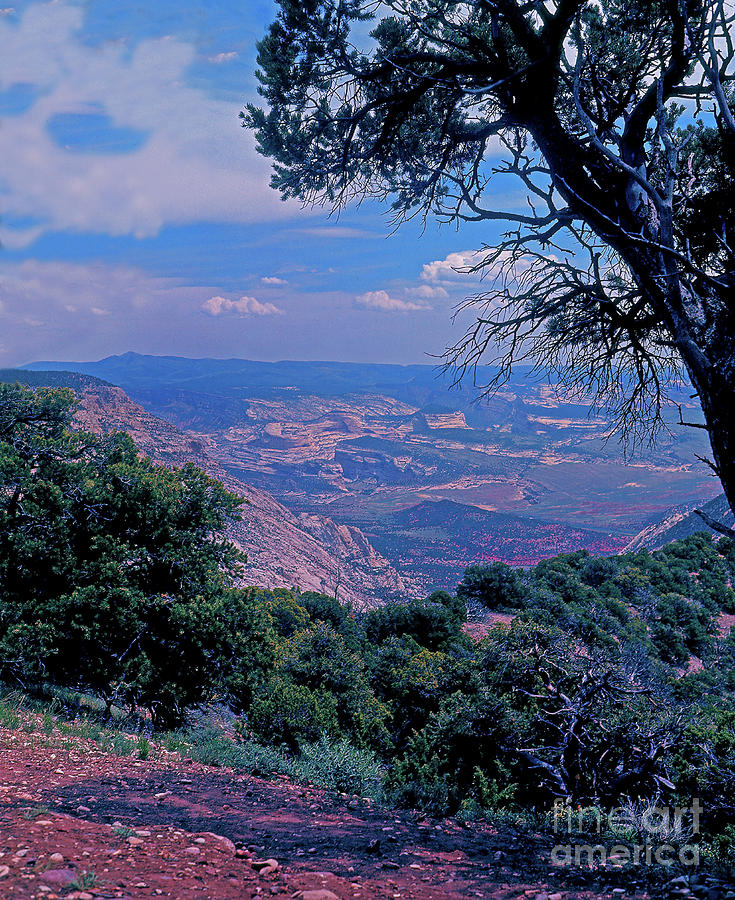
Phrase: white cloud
[245,306]
[453,267]
[223,57]
[273,281]
[428,291]
[196,164]
[456,269]
[55,288]
[383,301]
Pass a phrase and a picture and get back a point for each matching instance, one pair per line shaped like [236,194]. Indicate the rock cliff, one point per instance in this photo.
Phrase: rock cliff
[284,550]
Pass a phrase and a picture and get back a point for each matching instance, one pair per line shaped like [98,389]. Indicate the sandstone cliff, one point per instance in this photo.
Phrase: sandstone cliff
[284,550]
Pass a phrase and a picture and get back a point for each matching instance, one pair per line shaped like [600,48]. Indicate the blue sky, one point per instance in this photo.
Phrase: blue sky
[136,215]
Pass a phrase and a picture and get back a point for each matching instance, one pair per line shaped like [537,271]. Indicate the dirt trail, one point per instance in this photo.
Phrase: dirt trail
[167,828]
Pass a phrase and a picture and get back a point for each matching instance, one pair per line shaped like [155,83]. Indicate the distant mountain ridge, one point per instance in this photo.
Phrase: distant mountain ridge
[284,549]
[134,371]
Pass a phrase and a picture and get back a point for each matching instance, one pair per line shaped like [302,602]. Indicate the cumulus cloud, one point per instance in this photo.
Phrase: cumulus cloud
[454,267]
[245,306]
[428,291]
[382,300]
[196,163]
[273,281]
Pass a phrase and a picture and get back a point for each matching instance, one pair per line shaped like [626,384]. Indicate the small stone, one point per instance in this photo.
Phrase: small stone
[83,809]
[200,840]
[4,871]
[192,851]
[541,896]
[58,877]
[19,854]
[389,864]
[135,841]
[260,864]
[223,841]
[319,894]
[142,832]
[162,795]
[56,858]
[554,896]
[268,870]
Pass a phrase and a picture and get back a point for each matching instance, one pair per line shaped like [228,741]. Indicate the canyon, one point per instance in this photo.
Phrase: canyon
[423,478]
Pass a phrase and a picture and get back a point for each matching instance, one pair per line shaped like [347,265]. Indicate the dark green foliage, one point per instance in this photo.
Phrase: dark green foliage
[322,608]
[290,714]
[415,682]
[459,750]
[113,574]
[496,586]
[319,659]
[434,623]
[288,615]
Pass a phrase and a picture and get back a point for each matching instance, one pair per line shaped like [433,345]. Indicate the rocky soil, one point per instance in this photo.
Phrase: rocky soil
[78,823]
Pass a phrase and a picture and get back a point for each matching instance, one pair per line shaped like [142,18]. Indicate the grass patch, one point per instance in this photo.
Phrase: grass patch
[35,812]
[84,881]
[339,766]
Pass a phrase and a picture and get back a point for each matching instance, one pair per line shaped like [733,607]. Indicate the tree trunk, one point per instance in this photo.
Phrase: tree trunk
[718,405]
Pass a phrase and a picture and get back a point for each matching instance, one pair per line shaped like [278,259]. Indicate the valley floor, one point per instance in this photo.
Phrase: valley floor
[173,828]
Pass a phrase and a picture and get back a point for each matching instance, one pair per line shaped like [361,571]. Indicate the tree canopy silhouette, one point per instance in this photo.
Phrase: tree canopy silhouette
[615,118]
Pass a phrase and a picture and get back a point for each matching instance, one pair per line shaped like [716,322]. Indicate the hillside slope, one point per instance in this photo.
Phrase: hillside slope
[311,552]
[681,523]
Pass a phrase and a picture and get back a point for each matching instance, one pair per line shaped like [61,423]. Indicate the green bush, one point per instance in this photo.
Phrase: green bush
[435,623]
[288,713]
[494,586]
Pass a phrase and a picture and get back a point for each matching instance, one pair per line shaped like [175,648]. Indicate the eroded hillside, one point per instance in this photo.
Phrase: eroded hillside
[284,549]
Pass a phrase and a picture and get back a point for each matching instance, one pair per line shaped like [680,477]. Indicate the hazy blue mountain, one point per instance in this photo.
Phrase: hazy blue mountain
[421,384]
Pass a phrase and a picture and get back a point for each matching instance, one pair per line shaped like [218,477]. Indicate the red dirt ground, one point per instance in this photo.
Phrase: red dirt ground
[173,828]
